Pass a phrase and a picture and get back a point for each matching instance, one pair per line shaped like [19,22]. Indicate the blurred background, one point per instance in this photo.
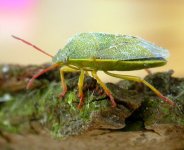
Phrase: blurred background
[48,24]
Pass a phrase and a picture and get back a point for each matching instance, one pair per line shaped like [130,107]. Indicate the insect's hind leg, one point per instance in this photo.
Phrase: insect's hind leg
[107,91]
[138,79]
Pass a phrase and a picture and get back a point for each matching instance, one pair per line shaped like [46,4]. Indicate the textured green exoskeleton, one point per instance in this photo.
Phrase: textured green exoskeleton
[91,52]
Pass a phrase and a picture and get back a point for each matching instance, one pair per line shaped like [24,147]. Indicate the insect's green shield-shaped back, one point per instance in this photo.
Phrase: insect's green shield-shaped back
[109,46]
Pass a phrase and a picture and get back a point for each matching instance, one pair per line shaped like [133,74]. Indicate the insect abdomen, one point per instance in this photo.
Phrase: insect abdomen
[114,65]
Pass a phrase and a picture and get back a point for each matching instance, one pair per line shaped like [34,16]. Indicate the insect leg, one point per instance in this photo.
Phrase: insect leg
[107,91]
[80,86]
[63,83]
[148,71]
[138,79]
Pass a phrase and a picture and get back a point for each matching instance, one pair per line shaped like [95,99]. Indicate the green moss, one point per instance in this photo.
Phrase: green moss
[45,106]
[154,110]
[61,117]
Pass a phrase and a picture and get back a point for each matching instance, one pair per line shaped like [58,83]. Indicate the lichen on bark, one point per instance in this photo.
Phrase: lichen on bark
[41,110]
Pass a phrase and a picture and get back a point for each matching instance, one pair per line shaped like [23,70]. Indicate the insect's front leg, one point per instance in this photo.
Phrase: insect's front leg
[63,83]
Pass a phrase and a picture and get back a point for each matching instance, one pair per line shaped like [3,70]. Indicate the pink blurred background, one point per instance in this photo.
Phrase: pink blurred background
[48,24]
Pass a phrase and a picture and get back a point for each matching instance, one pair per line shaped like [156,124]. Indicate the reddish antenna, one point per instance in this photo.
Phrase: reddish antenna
[40,73]
[30,44]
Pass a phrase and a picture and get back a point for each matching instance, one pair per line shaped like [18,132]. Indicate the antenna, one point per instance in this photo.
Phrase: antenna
[30,44]
[40,73]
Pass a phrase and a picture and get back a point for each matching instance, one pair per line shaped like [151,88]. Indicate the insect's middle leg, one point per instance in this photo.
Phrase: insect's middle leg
[80,86]
[107,91]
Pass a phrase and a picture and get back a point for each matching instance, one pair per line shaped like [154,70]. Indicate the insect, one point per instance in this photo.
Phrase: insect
[92,52]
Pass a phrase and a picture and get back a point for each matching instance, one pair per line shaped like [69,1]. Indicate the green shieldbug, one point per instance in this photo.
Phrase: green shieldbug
[91,52]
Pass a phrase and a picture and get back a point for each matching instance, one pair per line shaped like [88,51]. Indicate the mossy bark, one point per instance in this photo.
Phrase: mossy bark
[40,109]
